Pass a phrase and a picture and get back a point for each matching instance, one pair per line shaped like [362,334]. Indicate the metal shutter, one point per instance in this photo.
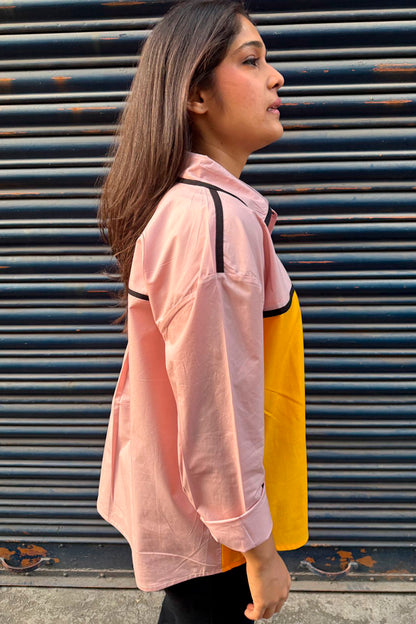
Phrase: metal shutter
[343,181]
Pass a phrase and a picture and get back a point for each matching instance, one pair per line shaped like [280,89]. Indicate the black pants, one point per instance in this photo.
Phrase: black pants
[217,599]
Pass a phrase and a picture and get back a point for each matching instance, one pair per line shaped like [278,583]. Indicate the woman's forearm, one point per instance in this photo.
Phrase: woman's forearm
[269,580]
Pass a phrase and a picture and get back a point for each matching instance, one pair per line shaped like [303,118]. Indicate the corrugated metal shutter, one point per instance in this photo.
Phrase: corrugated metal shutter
[343,181]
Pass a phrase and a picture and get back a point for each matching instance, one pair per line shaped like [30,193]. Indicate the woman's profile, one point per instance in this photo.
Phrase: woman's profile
[204,464]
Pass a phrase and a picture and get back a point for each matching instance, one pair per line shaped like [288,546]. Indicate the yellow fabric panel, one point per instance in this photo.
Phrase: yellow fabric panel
[285,444]
[230,558]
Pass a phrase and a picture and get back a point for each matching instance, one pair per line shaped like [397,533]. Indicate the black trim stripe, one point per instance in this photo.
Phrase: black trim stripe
[282,310]
[211,187]
[219,231]
[138,295]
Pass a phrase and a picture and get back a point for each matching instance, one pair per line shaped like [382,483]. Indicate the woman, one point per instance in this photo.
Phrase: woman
[204,469]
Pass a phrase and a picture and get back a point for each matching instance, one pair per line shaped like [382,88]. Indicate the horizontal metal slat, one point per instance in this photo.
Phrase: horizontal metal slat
[30,341]
[96,113]
[49,266]
[72,44]
[69,81]
[50,177]
[342,411]
[43,452]
[342,171]
[354,285]
[105,290]
[38,365]
[356,140]
[79,147]
[46,235]
[383,232]
[373,363]
[339,34]
[325,13]
[23,10]
[349,204]
[44,209]
[343,261]
[352,314]
[59,410]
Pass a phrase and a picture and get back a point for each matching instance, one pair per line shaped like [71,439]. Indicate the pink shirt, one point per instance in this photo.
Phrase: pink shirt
[182,471]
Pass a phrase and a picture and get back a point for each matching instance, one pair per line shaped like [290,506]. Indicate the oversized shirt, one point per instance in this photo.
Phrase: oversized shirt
[205,450]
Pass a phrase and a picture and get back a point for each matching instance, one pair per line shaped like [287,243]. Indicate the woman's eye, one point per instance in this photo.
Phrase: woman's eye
[251,61]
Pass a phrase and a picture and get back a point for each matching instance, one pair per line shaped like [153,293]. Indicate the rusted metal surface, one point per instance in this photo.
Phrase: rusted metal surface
[29,558]
[101,564]
[330,576]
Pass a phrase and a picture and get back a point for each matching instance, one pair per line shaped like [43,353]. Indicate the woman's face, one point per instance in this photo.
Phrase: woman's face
[241,114]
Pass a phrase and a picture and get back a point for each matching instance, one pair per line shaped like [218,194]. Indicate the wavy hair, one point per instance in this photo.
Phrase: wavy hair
[154,131]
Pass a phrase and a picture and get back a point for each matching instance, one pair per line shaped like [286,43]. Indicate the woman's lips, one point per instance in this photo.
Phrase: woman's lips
[273,108]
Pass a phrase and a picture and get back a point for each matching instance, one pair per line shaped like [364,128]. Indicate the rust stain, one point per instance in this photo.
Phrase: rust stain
[393,102]
[384,67]
[79,109]
[107,38]
[18,194]
[7,79]
[363,550]
[33,550]
[349,188]
[61,78]
[310,559]
[6,553]
[345,557]
[367,561]
[391,575]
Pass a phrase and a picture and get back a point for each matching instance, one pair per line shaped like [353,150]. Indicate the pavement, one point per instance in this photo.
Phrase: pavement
[68,605]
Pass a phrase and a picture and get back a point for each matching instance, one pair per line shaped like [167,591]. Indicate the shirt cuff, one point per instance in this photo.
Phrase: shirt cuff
[246,531]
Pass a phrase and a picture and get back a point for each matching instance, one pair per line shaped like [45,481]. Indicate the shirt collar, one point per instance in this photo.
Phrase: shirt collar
[203,168]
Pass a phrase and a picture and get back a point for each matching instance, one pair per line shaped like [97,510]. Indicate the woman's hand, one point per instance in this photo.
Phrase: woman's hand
[269,581]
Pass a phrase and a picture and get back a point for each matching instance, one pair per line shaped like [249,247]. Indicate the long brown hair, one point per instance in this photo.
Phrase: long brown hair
[154,131]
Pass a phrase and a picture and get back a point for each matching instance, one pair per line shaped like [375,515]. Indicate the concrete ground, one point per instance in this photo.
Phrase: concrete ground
[63,605]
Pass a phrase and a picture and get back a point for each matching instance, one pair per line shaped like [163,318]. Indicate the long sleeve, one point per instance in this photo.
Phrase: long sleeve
[214,359]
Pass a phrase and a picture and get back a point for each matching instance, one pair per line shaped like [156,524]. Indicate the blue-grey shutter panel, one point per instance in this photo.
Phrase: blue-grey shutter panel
[342,180]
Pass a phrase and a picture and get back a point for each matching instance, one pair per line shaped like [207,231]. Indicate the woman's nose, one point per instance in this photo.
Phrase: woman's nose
[276,79]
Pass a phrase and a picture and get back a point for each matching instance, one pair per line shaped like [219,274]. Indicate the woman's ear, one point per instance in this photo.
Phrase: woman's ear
[197,102]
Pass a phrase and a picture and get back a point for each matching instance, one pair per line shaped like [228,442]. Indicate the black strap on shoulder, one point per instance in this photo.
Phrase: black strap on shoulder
[219,231]
[209,186]
[219,218]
